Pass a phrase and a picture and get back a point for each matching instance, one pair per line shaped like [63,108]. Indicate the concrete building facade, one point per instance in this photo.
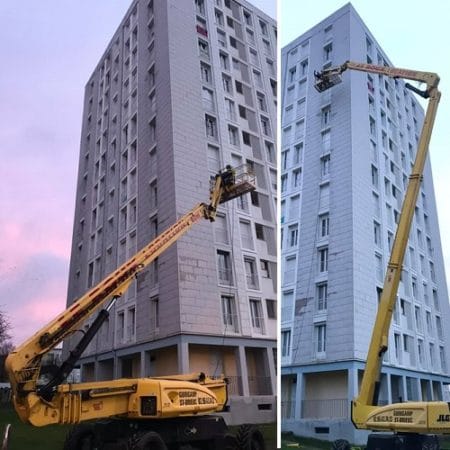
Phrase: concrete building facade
[184,88]
[345,160]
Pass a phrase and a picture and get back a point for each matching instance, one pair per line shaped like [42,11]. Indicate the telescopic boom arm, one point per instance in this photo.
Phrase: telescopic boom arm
[421,416]
[24,363]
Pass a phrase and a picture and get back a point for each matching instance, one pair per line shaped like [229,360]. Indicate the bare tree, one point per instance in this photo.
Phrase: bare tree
[5,337]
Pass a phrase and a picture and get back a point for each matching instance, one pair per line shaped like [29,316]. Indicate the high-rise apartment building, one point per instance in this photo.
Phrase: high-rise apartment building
[346,156]
[183,89]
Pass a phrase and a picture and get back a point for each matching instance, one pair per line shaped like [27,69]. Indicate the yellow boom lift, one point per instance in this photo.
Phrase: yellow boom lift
[145,413]
[411,422]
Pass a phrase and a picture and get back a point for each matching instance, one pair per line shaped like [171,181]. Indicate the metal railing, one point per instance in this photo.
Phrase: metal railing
[288,409]
[321,409]
[259,385]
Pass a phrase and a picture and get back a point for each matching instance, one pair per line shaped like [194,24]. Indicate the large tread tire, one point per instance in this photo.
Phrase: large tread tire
[230,442]
[80,437]
[340,444]
[151,441]
[432,443]
[250,438]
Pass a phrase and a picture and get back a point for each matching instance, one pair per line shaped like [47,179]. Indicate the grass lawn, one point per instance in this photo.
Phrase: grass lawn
[292,442]
[27,437]
[23,436]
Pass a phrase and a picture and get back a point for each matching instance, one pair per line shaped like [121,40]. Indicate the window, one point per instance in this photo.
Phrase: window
[322,296]
[325,166]
[229,315]
[304,67]
[284,159]
[442,358]
[257,78]
[247,17]
[326,141]
[265,125]
[298,150]
[224,61]
[200,7]
[214,164]
[377,234]
[320,336]
[203,48]
[221,229]
[263,27]
[211,127]
[227,84]
[327,52]
[230,112]
[294,207]
[439,328]
[374,176]
[265,268]
[246,234]
[208,99]
[261,99]
[221,39]
[326,116]
[233,135]
[154,313]
[418,319]
[219,17]
[259,230]
[271,306]
[284,178]
[292,73]
[285,342]
[296,178]
[323,259]
[256,315]
[324,225]
[250,273]
[293,235]
[289,270]
[270,152]
[154,194]
[242,112]
[224,267]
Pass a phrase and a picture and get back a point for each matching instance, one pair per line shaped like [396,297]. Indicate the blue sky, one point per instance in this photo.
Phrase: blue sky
[414,35]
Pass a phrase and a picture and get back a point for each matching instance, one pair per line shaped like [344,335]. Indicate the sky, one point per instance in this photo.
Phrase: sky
[412,34]
[48,49]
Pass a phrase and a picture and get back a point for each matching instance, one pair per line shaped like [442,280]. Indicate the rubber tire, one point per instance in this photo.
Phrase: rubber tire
[80,437]
[151,441]
[250,438]
[431,445]
[230,442]
[340,444]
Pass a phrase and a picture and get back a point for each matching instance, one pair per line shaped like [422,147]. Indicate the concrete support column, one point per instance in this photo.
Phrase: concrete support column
[404,390]
[117,370]
[389,387]
[271,369]
[353,388]
[242,368]
[419,389]
[299,395]
[183,357]
[142,371]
